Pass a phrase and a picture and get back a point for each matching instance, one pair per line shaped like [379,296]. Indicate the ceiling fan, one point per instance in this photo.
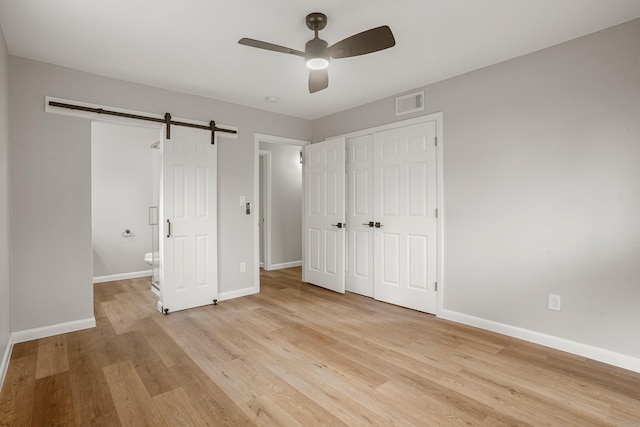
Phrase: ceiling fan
[317,51]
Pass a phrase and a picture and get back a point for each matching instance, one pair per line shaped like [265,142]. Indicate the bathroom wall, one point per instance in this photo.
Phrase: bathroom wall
[5,286]
[51,187]
[121,193]
[286,204]
[541,192]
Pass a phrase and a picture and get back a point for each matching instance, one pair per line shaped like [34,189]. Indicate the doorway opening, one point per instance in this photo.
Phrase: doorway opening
[123,178]
[278,190]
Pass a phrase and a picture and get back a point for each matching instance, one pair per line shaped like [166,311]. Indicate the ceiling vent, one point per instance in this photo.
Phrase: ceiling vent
[411,103]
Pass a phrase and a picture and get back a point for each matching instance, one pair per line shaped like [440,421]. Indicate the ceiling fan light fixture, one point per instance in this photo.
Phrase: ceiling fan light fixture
[317,63]
[316,54]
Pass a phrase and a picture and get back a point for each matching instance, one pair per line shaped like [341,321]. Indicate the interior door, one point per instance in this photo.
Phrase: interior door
[360,215]
[189,276]
[405,210]
[324,214]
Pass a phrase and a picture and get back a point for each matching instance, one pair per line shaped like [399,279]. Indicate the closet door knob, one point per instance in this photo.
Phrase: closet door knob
[370,224]
[378,225]
[339,225]
[168,228]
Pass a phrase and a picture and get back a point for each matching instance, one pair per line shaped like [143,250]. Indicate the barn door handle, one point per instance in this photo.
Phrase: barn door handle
[339,225]
[168,228]
[370,224]
[378,225]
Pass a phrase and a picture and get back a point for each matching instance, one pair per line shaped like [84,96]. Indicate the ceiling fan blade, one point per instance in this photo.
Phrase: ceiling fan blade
[269,46]
[318,80]
[362,43]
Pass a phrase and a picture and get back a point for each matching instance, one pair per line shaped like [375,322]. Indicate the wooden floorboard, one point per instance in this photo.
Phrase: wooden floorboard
[299,355]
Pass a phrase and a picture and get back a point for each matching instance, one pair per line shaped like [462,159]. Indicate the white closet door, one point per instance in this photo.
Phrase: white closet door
[360,233]
[405,255]
[189,276]
[324,214]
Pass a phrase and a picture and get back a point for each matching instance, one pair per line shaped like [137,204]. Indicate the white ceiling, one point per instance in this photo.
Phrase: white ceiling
[191,45]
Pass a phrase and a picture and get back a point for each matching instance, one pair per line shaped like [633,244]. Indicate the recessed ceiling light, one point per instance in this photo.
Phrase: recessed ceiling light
[272,99]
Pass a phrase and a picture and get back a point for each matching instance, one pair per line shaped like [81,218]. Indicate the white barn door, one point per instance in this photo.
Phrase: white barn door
[189,276]
[405,254]
[324,214]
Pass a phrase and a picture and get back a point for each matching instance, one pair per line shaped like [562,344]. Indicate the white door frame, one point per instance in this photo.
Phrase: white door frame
[258,137]
[438,118]
[265,179]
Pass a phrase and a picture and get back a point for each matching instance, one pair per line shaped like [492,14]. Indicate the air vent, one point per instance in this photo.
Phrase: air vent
[411,103]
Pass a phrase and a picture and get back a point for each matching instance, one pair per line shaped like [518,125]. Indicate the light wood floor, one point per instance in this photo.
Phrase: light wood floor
[297,355]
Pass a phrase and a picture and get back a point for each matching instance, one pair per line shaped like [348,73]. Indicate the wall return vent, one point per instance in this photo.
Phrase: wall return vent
[411,103]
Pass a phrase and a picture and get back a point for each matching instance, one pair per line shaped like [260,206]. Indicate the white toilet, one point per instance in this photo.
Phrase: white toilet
[151,258]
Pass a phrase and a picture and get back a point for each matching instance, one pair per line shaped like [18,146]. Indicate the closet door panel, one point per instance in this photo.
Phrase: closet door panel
[390,251]
[405,187]
[324,214]
[417,253]
[359,173]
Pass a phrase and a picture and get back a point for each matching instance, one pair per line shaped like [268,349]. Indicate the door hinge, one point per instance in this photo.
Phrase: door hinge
[436,213]
[435,288]
[435,138]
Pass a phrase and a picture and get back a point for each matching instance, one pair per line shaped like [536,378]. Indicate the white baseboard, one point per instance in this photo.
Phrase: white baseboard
[596,353]
[283,265]
[4,364]
[48,331]
[238,293]
[122,276]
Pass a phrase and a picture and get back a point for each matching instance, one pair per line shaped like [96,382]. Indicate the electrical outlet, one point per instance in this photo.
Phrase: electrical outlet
[554,302]
[243,267]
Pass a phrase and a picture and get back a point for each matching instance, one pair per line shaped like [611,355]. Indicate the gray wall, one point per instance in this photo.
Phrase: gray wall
[286,202]
[51,195]
[121,193]
[541,187]
[5,288]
